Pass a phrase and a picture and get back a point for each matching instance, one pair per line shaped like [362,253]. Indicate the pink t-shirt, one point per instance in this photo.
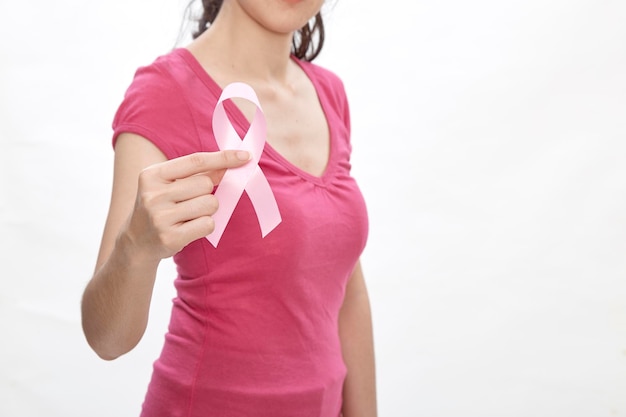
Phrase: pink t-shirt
[253,330]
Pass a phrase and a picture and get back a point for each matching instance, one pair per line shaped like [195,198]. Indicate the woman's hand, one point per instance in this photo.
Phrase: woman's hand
[175,203]
[157,208]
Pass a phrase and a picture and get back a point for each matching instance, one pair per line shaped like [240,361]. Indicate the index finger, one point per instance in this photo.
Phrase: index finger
[201,162]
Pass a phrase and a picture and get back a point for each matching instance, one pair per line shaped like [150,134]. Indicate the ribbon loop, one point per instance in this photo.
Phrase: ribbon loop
[248,178]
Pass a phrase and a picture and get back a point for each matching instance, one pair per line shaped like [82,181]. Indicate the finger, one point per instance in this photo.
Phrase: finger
[200,162]
[196,229]
[191,187]
[205,205]
[216,176]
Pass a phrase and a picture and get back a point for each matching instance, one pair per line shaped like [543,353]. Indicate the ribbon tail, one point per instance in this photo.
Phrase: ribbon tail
[263,201]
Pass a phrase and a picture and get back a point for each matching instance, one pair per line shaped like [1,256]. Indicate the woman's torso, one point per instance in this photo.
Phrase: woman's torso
[253,330]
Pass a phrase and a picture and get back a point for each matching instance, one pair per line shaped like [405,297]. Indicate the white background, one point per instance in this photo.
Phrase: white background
[489,142]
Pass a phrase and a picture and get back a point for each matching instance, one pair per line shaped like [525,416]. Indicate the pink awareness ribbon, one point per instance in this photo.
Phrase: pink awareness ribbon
[248,178]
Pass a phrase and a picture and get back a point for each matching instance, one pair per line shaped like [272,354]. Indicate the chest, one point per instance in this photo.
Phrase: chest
[297,127]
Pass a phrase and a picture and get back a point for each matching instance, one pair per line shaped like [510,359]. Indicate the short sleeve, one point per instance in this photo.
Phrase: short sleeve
[155,108]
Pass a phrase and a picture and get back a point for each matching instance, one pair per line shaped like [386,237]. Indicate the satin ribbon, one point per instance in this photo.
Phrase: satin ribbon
[248,178]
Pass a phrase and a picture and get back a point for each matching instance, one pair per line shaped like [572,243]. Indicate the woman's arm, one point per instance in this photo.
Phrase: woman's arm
[355,332]
[157,208]
[116,300]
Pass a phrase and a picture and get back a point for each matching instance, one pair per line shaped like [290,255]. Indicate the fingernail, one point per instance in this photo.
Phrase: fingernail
[243,155]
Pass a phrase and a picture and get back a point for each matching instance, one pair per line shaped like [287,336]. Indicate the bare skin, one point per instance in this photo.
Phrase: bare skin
[355,333]
[159,206]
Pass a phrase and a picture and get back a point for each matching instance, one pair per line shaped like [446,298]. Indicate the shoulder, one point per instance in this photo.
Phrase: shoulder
[323,74]
[327,82]
[154,83]
[154,99]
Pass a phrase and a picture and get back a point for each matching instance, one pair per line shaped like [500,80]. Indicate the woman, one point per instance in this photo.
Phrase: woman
[261,326]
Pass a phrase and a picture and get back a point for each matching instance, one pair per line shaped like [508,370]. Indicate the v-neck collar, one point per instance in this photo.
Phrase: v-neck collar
[269,150]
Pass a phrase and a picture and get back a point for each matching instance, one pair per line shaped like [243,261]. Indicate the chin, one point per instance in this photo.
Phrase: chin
[282,16]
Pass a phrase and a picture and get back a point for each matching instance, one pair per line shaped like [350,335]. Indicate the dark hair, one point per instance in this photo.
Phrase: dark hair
[303,42]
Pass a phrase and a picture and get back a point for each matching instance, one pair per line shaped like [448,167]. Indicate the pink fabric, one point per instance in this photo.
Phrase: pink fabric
[253,330]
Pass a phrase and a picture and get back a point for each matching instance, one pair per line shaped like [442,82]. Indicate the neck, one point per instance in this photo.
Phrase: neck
[241,46]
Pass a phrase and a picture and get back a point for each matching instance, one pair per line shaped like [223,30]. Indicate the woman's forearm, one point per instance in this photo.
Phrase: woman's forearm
[158,206]
[116,301]
[355,331]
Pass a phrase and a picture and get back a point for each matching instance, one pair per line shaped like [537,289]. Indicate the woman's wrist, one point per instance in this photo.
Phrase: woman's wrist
[133,253]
